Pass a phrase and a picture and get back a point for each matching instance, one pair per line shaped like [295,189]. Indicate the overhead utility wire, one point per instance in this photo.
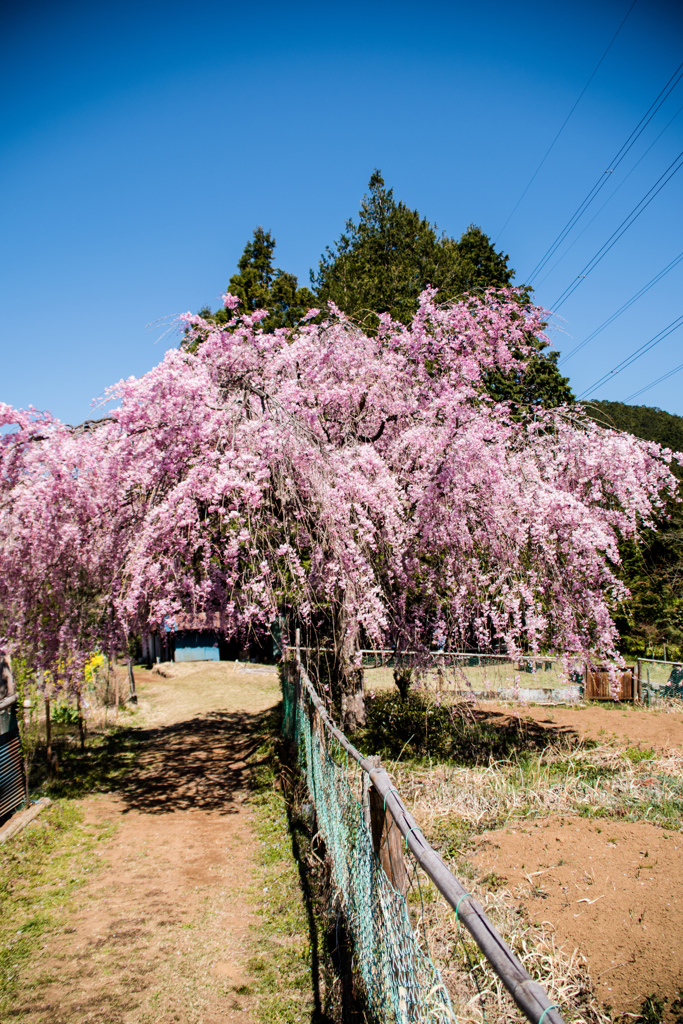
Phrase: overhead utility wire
[608,200]
[659,380]
[623,227]
[646,347]
[602,180]
[564,123]
[622,309]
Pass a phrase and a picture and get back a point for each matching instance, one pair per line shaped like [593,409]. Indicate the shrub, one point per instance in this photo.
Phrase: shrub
[415,724]
[421,725]
[64,713]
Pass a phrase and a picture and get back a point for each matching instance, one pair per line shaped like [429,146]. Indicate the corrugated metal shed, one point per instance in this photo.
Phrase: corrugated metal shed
[12,791]
[196,645]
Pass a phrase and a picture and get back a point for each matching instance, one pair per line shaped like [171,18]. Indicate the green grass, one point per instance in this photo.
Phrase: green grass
[108,757]
[42,869]
[44,865]
[636,755]
[281,964]
[283,955]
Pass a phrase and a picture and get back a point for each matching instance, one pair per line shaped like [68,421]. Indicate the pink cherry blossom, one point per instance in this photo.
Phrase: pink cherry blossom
[363,485]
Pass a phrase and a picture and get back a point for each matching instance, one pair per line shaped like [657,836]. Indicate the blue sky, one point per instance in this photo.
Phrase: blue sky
[141,143]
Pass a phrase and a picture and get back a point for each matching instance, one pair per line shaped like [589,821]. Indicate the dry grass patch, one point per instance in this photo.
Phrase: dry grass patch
[454,804]
[600,781]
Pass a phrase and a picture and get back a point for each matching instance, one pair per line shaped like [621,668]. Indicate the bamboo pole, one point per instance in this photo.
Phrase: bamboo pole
[528,994]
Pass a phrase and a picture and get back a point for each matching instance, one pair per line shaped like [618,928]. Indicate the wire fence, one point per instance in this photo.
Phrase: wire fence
[659,679]
[398,978]
[529,678]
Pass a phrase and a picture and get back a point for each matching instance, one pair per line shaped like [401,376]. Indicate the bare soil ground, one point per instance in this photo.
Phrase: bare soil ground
[164,930]
[622,723]
[611,889]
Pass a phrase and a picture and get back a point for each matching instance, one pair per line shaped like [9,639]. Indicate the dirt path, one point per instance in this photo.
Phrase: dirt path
[163,931]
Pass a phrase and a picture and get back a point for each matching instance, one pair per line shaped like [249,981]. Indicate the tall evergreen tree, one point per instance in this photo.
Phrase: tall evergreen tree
[260,285]
[382,263]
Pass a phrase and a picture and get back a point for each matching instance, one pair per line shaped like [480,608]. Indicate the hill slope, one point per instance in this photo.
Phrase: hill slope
[653,571]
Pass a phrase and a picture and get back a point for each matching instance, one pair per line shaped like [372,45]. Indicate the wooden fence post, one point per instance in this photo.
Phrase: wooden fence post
[48,733]
[367,817]
[81,723]
[387,842]
[131,679]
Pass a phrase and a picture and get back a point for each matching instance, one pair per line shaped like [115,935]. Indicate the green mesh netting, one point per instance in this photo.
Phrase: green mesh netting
[400,981]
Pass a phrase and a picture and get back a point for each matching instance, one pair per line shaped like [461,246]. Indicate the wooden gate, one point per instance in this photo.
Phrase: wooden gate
[597,685]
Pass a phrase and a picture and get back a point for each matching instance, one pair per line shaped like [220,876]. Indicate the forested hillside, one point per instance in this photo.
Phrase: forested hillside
[643,421]
[653,570]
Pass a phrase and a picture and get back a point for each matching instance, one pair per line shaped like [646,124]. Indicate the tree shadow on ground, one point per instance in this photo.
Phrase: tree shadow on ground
[417,727]
[200,764]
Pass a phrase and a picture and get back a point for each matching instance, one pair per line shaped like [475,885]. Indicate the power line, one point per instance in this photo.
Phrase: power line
[609,200]
[623,227]
[602,180]
[659,380]
[646,347]
[564,123]
[622,309]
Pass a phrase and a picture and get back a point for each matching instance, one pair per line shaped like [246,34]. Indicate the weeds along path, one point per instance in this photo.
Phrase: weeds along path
[166,916]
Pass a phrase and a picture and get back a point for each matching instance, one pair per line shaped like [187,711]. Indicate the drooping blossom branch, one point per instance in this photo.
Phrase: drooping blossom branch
[365,481]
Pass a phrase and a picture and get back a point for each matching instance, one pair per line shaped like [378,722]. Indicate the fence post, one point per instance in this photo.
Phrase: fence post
[387,842]
[131,678]
[28,711]
[48,733]
[81,723]
[367,817]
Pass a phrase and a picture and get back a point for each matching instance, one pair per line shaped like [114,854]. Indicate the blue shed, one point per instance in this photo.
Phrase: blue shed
[196,645]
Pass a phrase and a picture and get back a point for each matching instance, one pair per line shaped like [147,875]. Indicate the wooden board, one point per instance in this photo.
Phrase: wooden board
[597,685]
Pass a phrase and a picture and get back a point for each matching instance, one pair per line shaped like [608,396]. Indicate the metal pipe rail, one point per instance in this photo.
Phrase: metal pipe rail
[443,654]
[528,994]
